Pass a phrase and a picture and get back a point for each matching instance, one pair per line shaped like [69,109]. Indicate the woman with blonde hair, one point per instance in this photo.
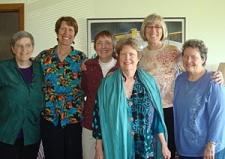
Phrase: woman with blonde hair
[163,62]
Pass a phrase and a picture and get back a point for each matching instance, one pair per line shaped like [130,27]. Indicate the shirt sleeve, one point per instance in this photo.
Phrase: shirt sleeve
[216,111]
[97,133]
[84,82]
[83,57]
[157,124]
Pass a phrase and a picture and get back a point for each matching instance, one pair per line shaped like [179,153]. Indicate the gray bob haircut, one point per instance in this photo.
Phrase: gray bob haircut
[151,19]
[196,44]
[19,35]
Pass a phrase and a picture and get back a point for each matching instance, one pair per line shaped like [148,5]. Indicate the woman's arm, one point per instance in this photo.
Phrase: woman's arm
[84,80]
[209,152]
[158,130]
[99,150]
[97,133]
[216,119]
[96,126]
[165,150]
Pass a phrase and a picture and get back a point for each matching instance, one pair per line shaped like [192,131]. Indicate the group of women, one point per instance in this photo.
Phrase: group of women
[128,106]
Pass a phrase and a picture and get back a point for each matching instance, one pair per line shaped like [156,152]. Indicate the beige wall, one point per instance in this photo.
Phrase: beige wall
[205,19]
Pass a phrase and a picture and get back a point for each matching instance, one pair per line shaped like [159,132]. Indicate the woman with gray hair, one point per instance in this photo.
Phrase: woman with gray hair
[162,61]
[198,107]
[21,100]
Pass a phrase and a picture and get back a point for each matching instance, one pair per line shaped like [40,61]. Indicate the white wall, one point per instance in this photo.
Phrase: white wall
[205,19]
[42,15]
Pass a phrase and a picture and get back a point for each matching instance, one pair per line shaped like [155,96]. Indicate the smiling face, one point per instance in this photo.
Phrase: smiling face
[192,61]
[23,49]
[154,32]
[104,48]
[128,58]
[66,34]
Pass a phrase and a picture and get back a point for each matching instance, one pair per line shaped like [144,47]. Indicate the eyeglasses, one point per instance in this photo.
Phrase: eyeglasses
[24,47]
[107,43]
[157,27]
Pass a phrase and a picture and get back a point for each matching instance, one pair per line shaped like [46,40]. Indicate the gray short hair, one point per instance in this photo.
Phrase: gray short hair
[197,44]
[19,35]
[150,19]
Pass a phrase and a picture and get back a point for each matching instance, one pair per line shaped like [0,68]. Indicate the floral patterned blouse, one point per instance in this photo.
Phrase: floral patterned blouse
[63,95]
[144,120]
[164,65]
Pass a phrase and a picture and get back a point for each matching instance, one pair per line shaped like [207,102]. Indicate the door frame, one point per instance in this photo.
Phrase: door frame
[15,7]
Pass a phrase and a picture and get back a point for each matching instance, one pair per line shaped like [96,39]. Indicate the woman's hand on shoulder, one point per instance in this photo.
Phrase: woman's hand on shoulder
[83,66]
[218,77]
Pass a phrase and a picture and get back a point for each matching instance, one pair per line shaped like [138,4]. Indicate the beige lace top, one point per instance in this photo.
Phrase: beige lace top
[163,65]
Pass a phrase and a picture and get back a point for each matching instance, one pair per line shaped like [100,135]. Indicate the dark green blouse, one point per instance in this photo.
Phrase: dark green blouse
[20,103]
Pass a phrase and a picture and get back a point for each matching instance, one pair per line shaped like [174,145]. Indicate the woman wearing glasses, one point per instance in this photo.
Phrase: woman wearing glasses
[21,101]
[162,61]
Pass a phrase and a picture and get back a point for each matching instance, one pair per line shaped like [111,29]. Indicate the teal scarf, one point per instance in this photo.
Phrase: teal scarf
[116,129]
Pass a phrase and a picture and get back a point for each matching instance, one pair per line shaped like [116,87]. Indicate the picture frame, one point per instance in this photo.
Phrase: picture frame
[121,27]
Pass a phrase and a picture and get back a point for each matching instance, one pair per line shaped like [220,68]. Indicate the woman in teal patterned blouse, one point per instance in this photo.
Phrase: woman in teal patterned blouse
[60,125]
[128,118]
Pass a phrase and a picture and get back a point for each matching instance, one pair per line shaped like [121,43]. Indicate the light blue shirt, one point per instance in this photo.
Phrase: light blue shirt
[199,115]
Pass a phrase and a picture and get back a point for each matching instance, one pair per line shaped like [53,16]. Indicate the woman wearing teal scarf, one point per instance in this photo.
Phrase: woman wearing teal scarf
[128,118]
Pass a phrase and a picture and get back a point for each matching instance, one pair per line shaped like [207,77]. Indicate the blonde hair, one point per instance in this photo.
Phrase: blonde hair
[151,19]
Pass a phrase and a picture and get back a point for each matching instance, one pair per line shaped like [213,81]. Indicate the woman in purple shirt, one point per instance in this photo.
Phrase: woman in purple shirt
[21,100]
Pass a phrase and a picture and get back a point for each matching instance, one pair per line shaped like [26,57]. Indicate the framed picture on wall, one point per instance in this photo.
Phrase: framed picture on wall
[121,27]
